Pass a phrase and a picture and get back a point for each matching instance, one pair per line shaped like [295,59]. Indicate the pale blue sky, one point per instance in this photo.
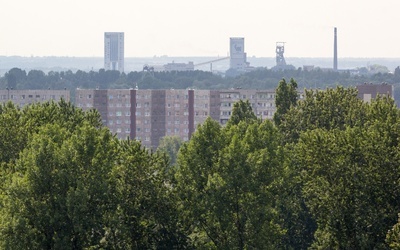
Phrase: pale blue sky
[366,28]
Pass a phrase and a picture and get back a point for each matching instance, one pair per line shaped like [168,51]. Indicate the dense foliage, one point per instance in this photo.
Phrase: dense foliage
[260,78]
[324,175]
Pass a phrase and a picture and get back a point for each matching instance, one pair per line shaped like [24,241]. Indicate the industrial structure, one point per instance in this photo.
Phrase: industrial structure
[170,67]
[335,59]
[280,59]
[114,51]
[238,58]
[280,50]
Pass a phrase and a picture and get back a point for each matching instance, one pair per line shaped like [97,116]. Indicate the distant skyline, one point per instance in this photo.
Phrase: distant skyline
[200,28]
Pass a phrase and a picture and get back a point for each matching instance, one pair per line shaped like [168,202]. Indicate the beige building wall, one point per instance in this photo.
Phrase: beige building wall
[119,112]
[177,113]
[25,97]
[149,115]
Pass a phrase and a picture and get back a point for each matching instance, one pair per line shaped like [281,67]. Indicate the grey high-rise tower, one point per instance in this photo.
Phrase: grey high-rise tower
[238,60]
[335,66]
[114,51]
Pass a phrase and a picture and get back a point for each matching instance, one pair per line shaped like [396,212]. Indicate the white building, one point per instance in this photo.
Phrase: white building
[238,58]
[114,51]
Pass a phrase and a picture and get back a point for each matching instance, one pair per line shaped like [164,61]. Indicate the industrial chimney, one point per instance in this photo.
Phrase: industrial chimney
[335,50]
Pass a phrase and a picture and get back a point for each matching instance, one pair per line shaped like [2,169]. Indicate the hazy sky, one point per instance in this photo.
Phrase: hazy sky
[366,28]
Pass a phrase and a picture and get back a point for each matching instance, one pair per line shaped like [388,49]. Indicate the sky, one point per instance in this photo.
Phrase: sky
[75,28]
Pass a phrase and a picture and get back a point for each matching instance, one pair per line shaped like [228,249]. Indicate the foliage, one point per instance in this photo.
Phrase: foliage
[350,178]
[329,109]
[169,145]
[285,98]
[225,181]
[68,183]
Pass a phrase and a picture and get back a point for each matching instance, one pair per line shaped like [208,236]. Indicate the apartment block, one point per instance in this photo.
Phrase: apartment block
[25,97]
[367,92]
[149,115]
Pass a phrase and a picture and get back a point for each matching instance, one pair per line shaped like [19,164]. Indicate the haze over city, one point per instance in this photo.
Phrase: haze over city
[200,28]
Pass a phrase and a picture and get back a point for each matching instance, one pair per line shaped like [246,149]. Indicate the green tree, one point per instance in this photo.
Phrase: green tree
[169,145]
[285,98]
[242,111]
[225,179]
[350,179]
[393,236]
[329,109]
[145,216]
[59,191]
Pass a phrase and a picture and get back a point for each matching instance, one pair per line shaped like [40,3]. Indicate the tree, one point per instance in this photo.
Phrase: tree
[145,215]
[169,145]
[285,98]
[225,179]
[329,109]
[241,111]
[350,178]
[58,194]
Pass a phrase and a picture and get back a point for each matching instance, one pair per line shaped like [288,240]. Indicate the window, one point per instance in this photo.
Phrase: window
[118,113]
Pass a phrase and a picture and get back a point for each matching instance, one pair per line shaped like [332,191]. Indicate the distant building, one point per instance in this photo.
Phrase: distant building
[170,67]
[114,51]
[367,91]
[25,97]
[148,115]
[238,58]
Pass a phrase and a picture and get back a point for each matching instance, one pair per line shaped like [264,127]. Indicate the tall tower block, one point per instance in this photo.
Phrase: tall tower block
[114,51]
[238,58]
[335,60]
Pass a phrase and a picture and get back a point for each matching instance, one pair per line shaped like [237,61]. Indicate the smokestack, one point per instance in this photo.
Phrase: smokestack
[335,50]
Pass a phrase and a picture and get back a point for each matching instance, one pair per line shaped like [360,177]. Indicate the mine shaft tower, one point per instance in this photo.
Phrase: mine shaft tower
[280,49]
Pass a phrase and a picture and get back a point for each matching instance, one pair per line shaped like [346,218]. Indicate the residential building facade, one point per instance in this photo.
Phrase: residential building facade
[149,115]
[25,97]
